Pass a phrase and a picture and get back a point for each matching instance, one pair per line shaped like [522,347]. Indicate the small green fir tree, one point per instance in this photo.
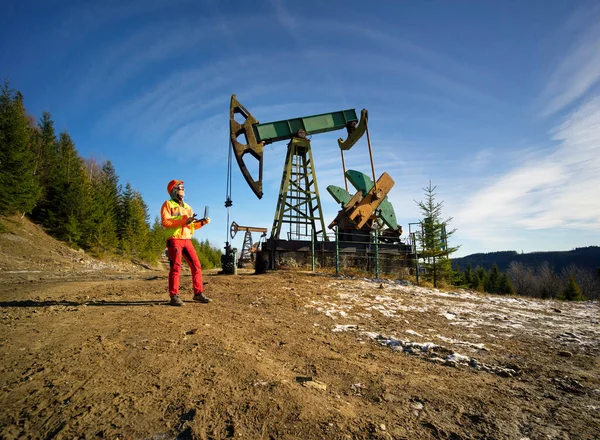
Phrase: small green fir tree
[433,238]
[572,292]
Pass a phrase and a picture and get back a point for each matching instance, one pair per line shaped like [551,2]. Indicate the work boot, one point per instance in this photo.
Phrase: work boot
[176,301]
[201,298]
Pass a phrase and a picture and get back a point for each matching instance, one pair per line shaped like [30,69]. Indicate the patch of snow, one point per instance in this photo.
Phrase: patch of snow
[455,357]
[23,271]
[344,328]
[457,342]
[383,310]
[428,346]
[493,316]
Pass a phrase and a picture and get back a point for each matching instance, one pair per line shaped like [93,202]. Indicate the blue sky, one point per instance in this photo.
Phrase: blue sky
[497,103]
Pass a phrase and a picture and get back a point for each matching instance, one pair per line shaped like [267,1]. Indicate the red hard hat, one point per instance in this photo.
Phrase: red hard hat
[172,184]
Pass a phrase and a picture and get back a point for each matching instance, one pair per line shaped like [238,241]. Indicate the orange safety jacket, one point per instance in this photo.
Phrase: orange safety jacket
[174,218]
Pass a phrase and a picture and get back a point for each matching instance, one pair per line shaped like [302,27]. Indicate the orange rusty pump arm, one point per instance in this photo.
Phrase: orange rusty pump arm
[233,230]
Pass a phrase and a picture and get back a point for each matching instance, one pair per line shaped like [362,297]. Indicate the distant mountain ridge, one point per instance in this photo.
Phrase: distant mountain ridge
[585,257]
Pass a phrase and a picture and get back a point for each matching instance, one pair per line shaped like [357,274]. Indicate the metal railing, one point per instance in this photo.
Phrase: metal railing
[347,252]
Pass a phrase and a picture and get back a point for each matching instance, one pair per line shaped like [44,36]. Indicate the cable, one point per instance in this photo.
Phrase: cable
[228,202]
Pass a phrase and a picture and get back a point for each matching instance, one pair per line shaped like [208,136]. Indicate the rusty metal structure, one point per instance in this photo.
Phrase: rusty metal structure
[249,247]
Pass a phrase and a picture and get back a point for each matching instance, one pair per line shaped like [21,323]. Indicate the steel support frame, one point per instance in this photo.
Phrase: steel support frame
[299,204]
[245,253]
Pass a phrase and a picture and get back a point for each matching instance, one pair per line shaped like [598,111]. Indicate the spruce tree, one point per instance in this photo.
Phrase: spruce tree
[469,275]
[47,168]
[102,223]
[125,228]
[505,285]
[19,189]
[91,208]
[66,213]
[572,292]
[139,223]
[132,219]
[155,242]
[480,279]
[433,239]
[209,257]
[492,284]
[458,277]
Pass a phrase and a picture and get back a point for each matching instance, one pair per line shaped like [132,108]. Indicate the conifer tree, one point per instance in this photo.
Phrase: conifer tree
[469,275]
[458,277]
[46,168]
[138,223]
[572,292]
[78,201]
[155,242]
[212,254]
[91,211]
[66,211]
[480,279]
[103,220]
[125,228]
[433,238]
[209,257]
[492,284]
[19,189]
[505,285]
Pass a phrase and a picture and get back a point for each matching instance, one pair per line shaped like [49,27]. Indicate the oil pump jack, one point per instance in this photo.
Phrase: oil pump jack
[249,248]
[298,204]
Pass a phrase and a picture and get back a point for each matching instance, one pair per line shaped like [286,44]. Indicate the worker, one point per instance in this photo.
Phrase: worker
[179,220]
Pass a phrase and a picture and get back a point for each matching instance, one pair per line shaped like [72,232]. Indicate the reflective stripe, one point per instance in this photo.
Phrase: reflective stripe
[177,215]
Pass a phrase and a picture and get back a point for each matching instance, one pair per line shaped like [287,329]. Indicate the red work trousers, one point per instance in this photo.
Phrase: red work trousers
[176,248]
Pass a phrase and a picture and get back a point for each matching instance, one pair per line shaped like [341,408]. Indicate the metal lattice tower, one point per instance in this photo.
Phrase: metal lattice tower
[299,205]
[246,247]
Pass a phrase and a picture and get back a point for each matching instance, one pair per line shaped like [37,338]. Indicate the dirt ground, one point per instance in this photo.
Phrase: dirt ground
[92,350]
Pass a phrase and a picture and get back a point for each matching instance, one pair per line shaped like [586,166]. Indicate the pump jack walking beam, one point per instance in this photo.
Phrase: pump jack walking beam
[257,135]
[248,247]
[298,203]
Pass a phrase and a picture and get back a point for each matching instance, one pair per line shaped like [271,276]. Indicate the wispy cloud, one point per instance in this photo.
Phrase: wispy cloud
[481,159]
[188,96]
[123,60]
[556,189]
[85,18]
[547,190]
[189,142]
[579,70]
[388,54]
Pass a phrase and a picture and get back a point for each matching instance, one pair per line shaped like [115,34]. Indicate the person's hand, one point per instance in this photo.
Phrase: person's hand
[206,220]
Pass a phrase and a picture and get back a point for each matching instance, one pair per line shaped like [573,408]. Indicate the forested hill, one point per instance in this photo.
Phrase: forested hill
[586,257]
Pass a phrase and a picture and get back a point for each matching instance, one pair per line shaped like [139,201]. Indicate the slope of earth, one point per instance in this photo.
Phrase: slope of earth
[27,253]
[91,350]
